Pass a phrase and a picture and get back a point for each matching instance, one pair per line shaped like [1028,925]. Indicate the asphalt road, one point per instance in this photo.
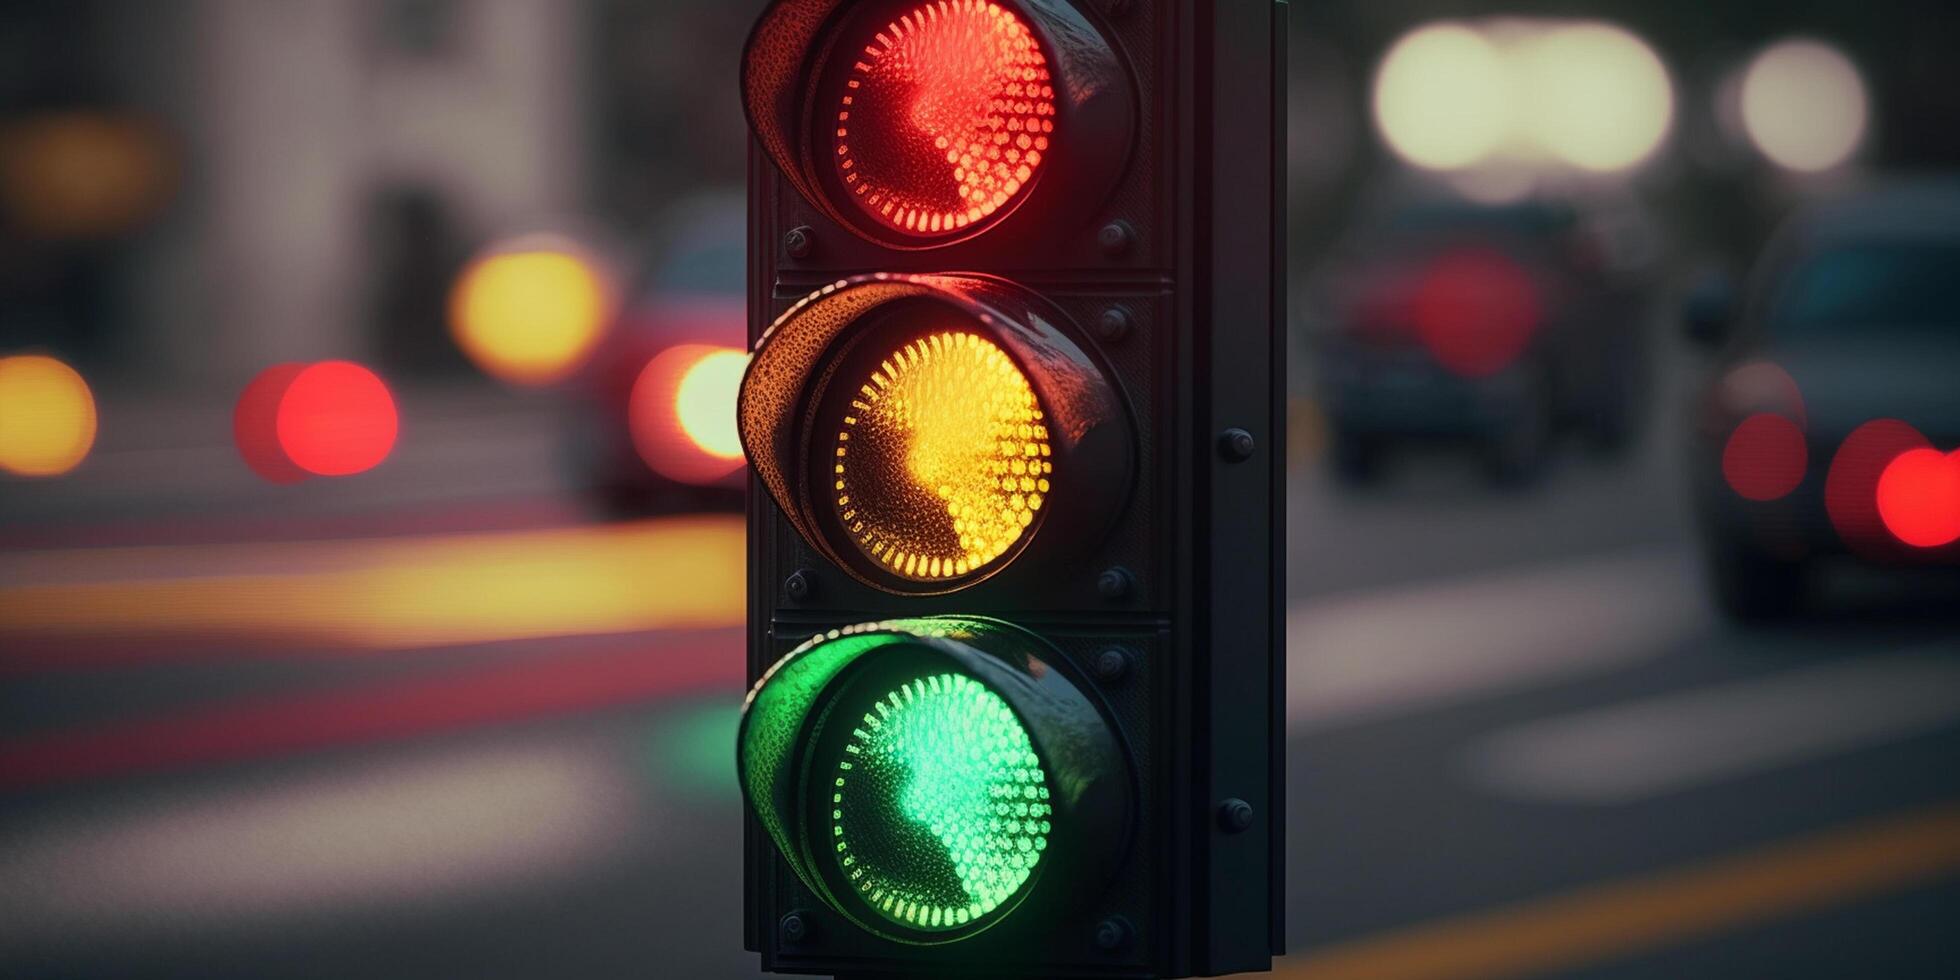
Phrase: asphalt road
[411,724]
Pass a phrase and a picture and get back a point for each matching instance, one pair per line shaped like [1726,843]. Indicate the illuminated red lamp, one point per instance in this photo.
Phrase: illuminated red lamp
[332,418]
[1476,310]
[1851,487]
[944,118]
[932,120]
[1765,457]
[681,413]
[1919,497]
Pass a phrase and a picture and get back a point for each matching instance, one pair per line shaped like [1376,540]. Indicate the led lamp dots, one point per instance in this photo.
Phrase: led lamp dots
[942,458]
[940,807]
[945,117]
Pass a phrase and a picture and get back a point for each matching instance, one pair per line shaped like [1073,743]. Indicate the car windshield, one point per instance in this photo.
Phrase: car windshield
[1895,288]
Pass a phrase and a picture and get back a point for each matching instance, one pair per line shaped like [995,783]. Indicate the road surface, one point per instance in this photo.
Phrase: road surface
[431,721]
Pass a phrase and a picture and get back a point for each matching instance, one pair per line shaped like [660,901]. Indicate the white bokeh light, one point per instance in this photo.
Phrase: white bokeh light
[1443,97]
[1595,95]
[1804,105]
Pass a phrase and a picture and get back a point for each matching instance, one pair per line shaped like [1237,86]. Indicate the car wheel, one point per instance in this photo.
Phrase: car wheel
[1516,454]
[1752,587]
[1357,459]
[1614,424]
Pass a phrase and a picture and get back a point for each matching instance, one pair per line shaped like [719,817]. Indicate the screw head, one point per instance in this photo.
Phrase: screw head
[799,585]
[798,241]
[1112,934]
[1236,445]
[1116,238]
[1234,816]
[1114,324]
[1113,664]
[1114,583]
[794,928]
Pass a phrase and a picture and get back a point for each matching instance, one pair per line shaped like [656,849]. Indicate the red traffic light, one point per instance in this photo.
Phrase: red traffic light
[933,120]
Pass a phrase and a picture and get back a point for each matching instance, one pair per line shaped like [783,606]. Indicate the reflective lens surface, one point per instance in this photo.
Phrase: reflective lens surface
[939,806]
[942,458]
[944,116]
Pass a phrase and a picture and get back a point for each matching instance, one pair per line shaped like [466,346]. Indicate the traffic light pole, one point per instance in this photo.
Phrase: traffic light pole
[1015,416]
[1236,355]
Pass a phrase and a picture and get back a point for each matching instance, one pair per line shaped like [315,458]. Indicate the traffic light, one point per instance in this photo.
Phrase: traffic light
[1015,528]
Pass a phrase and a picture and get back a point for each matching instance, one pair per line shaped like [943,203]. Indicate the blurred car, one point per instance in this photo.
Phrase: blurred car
[1830,426]
[651,428]
[1492,325]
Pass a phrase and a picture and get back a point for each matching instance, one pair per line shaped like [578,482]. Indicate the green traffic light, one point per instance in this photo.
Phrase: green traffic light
[940,805]
[923,777]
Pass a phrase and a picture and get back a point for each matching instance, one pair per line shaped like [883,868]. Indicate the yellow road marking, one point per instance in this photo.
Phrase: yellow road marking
[400,592]
[1672,906]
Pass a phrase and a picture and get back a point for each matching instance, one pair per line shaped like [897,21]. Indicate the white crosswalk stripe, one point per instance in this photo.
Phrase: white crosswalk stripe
[1680,741]
[1358,657]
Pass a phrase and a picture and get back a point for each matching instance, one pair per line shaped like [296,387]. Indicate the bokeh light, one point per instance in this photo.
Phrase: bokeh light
[1919,497]
[1595,96]
[1761,386]
[255,424]
[83,174]
[1851,485]
[336,418]
[1443,97]
[681,412]
[1804,105]
[705,403]
[945,117]
[942,457]
[47,416]
[530,311]
[1765,457]
[1476,310]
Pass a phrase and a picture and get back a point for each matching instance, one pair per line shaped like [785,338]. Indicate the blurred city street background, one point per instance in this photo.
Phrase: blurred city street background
[371,562]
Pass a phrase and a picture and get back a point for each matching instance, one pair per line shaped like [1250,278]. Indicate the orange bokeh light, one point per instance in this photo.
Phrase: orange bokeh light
[47,416]
[944,118]
[1919,497]
[84,174]
[530,311]
[682,412]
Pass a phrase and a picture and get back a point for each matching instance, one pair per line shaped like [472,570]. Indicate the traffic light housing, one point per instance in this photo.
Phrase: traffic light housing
[1016,547]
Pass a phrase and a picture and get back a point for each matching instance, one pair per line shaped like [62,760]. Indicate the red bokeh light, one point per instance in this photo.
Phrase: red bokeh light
[1476,310]
[1919,497]
[944,118]
[336,418]
[660,433]
[1851,486]
[1765,457]
[255,424]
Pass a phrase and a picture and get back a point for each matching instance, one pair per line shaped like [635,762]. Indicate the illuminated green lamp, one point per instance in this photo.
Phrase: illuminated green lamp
[924,777]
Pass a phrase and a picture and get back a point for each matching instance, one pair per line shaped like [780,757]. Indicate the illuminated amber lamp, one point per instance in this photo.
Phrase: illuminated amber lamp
[946,420]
